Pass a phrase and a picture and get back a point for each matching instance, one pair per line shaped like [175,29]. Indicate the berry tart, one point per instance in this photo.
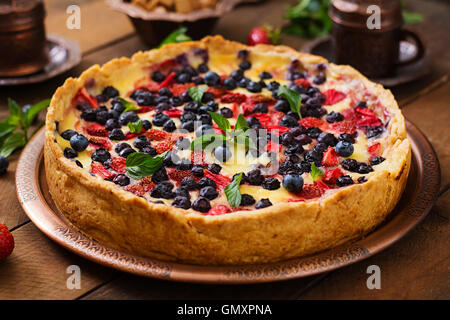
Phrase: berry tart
[213,152]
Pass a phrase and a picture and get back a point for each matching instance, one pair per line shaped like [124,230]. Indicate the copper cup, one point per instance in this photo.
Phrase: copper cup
[22,37]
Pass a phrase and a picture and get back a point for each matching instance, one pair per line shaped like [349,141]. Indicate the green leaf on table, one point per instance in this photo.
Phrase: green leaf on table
[6,128]
[293,98]
[316,173]
[11,143]
[128,105]
[16,116]
[135,127]
[178,35]
[232,191]
[196,93]
[32,112]
[202,142]
[141,165]
[221,121]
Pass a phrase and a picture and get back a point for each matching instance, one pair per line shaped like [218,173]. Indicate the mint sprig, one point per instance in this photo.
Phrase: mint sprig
[128,105]
[205,140]
[316,173]
[135,127]
[14,129]
[293,98]
[141,165]
[232,191]
[196,93]
[176,36]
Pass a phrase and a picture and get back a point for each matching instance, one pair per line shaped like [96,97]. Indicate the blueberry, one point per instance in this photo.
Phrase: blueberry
[265,75]
[83,106]
[160,175]
[245,65]
[254,87]
[205,182]
[294,149]
[160,119]
[89,115]
[271,184]
[209,193]
[170,159]
[288,121]
[198,80]
[376,160]
[112,124]
[319,79]
[204,129]
[205,118]
[186,97]
[350,165]
[188,126]
[78,142]
[184,164]
[373,132]
[334,117]
[320,147]
[169,126]
[273,86]
[208,97]
[158,76]
[263,203]
[344,148]
[144,99]
[197,171]
[101,155]
[237,74]
[212,79]
[116,134]
[282,106]
[120,146]
[182,192]
[122,180]
[303,139]
[113,114]
[127,117]
[230,84]
[293,182]
[189,183]
[222,153]
[184,78]
[362,179]
[247,200]
[261,108]
[176,101]
[296,75]
[214,168]
[181,202]
[313,156]
[126,152]
[364,168]
[141,142]
[254,177]
[163,190]
[117,106]
[70,153]
[201,204]
[296,131]
[67,134]
[362,104]
[110,92]
[78,163]
[243,54]
[346,137]
[313,132]
[202,68]
[243,82]
[344,180]
[254,123]
[191,107]
[163,106]
[327,138]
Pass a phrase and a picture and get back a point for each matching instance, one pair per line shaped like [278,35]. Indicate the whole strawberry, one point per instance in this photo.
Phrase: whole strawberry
[264,35]
[6,242]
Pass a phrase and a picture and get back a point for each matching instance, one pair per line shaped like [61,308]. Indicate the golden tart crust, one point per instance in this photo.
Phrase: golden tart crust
[122,220]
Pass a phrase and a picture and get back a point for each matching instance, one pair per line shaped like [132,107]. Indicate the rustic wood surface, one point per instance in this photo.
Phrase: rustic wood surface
[417,267]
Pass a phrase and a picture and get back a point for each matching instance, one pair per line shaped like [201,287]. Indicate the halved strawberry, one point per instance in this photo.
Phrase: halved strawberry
[178,175]
[330,157]
[220,180]
[100,142]
[162,147]
[118,164]
[179,89]
[374,149]
[167,81]
[97,130]
[157,135]
[303,83]
[100,170]
[343,127]
[366,111]
[369,122]
[310,122]
[84,96]
[143,186]
[233,98]
[174,112]
[310,191]
[333,96]
[264,35]
[331,176]
[218,210]
[217,92]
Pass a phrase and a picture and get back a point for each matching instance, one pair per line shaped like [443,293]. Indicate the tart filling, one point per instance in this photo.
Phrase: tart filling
[182,116]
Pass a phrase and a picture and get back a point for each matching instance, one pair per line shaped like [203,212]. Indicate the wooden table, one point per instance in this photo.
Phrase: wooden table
[417,267]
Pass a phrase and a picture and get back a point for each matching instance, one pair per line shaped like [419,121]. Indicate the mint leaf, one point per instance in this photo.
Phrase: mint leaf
[31,113]
[203,141]
[316,173]
[11,143]
[197,93]
[241,123]
[135,127]
[221,121]
[6,128]
[293,97]
[244,139]
[233,192]
[178,35]
[141,165]
[128,105]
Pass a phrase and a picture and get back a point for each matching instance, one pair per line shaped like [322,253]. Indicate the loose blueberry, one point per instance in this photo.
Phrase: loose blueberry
[163,190]
[226,112]
[376,160]
[350,165]
[147,125]
[181,202]
[189,183]
[364,168]
[319,79]
[122,180]
[158,76]
[112,124]
[265,75]
[254,87]
[247,200]
[230,84]
[344,148]
[263,203]
[68,134]
[254,177]
[205,182]
[261,108]
[110,92]
[293,182]
[116,134]
[204,129]
[101,155]
[197,171]
[243,54]
[188,126]
[346,137]
[334,117]
[182,192]
[202,68]
[127,117]
[160,175]
[205,118]
[237,75]
[126,152]
[201,204]
[70,153]
[327,138]
[89,115]
[313,132]
[222,153]
[169,126]
[344,180]
[160,119]
[362,179]
[149,150]
[214,168]
[141,142]
[288,121]
[120,146]
[209,193]
[212,79]
[271,184]
[245,65]
[79,142]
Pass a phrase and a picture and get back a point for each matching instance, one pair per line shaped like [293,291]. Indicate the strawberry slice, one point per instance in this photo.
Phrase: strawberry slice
[167,81]
[264,118]
[331,176]
[178,175]
[233,98]
[272,146]
[118,164]
[247,109]
[217,92]
[333,96]
[310,191]
[218,210]
[366,112]
[97,130]
[143,186]
[179,89]
[374,149]
[157,135]
[162,147]
[144,109]
[174,112]
[100,142]
[343,127]
[84,96]
[303,83]
[310,122]
[277,129]
[369,122]
[330,157]
[100,170]
[221,180]
[260,98]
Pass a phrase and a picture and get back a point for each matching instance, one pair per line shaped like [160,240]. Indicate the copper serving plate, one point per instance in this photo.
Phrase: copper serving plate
[421,191]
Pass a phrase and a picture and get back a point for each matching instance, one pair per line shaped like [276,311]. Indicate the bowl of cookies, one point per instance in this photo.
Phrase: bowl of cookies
[155,19]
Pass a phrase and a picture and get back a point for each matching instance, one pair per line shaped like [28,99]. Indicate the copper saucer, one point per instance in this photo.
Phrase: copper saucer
[63,55]
[403,73]
[421,191]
